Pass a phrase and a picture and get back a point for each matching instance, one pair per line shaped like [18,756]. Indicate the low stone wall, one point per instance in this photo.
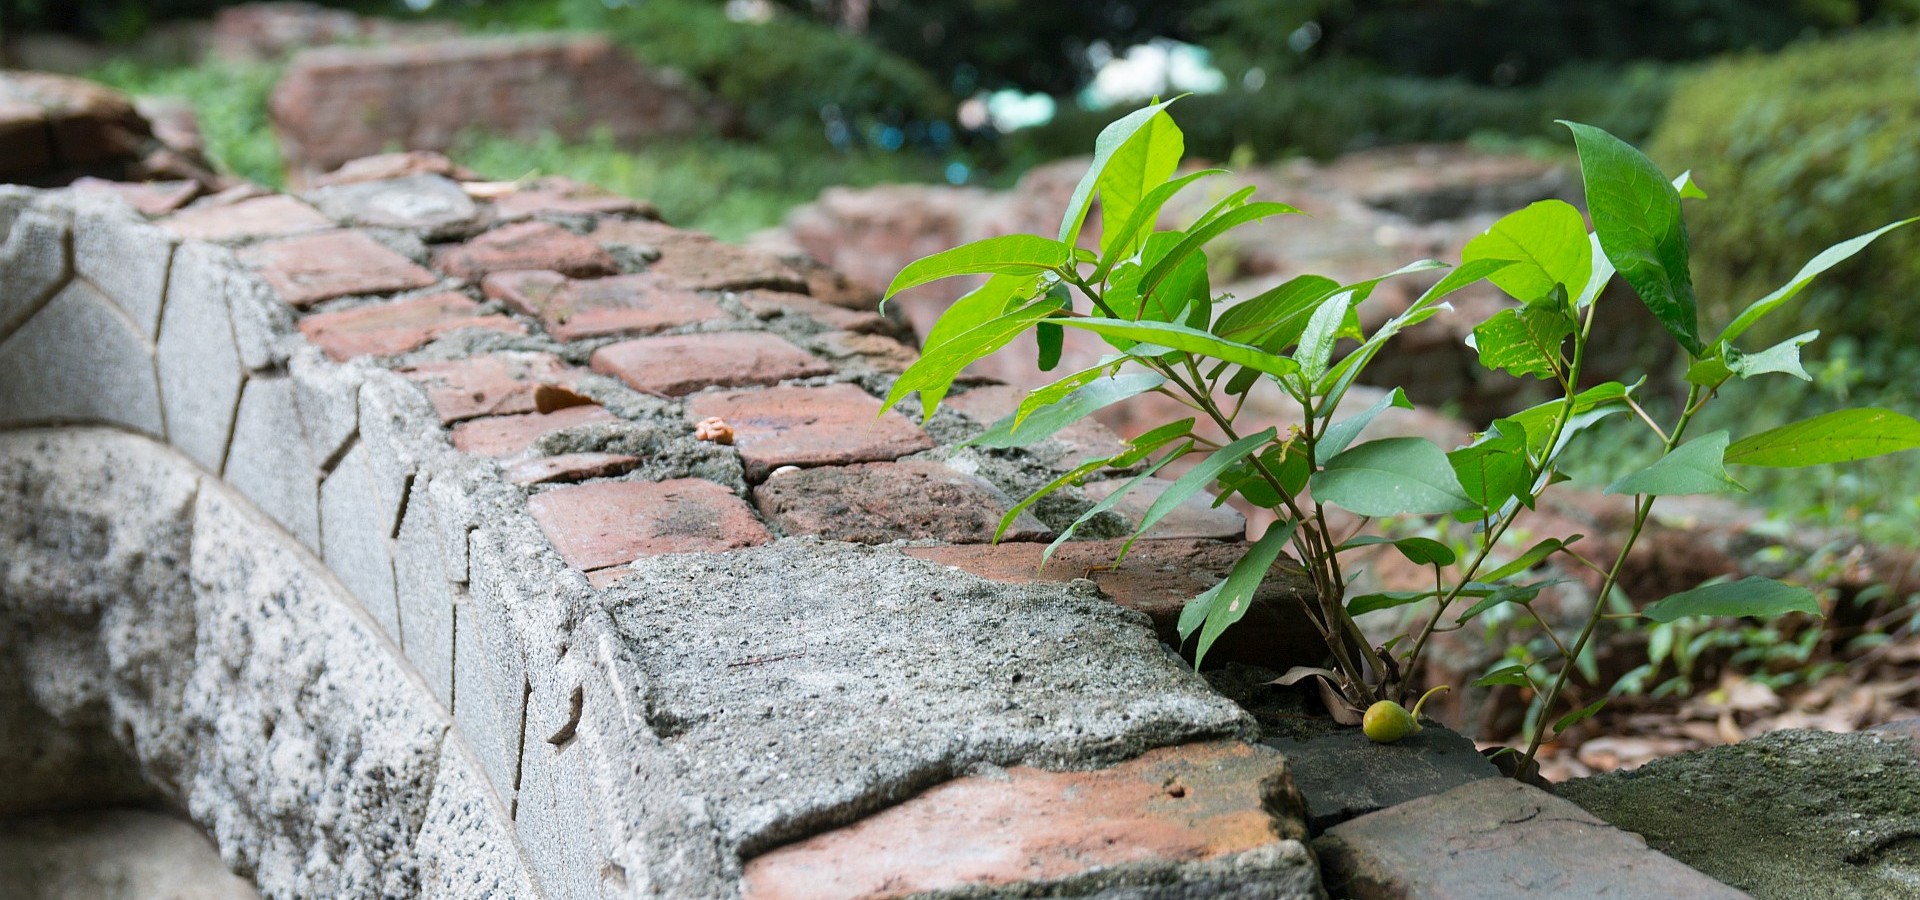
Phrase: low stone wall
[371,529]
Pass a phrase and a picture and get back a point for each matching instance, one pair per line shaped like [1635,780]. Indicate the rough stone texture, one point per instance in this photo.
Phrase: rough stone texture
[676,365]
[526,245]
[115,854]
[1785,815]
[355,540]
[771,304]
[1158,578]
[1074,444]
[287,490]
[570,467]
[434,204]
[608,523]
[559,196]
[307,270]
[504,436]
[213,654]
[33,265]
[385,329]
[123,257]
[336,104]
[271,216]
[1494,839]
[1343,775]
[873,503]
[424,596]
[199,367]
[1195,517]
[117,384]
[809,426]
[1201,803]
[498,384]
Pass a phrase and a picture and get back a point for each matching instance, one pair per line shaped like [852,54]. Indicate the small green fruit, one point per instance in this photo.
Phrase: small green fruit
[1387,721]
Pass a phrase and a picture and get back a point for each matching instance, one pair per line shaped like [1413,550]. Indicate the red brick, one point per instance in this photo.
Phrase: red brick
[564,196]
[495,385]
[151,198]
[769,304]
[274,215]
[601,579]
[874,503]
[1195,517]
[624,304]
[677,365]
[307,270]
[874,351]
[1190,803]
[696,261]
[387,166]
[608,523]
[1084,440]
[809,426]
[570,467]
[1158,577]
[501,437]
[383,329]
[525,245]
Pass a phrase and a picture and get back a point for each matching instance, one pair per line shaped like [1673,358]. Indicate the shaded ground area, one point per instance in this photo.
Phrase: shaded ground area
[113,854]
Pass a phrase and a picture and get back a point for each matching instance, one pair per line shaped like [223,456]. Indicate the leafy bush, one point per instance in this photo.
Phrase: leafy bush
[1797,147]
[1331,110]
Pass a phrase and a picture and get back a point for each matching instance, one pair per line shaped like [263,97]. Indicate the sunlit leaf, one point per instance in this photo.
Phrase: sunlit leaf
[1047,421]
[1694,467]
[1012,254]
[1841,436]
[1826,259]
[1753,596]
[1636,213]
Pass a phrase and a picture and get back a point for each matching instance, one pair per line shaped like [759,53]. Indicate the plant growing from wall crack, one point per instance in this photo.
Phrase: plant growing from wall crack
[1145,291]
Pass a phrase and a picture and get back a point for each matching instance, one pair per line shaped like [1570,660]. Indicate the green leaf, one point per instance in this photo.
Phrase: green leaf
[1420,551]
[933,373]
[1193,481]
[1317,338]
[1494,470]
[1548,243]
[1012,254]
[1526,341]
[1111,139]
[1280,311]
[1052,340]
[1694,467]
[1636,213]
[1109,502]
[1783,358]
[1201,234]
[1225,603]
[1827,259]
[1841,436]
[1602,274]
[1710,372]
[1589,406]
[1191,340]
[1344,373]
[1366,603]
[1534,556]
[1687,189]
[1052,393]
[1125,241]
[1047,421]
[1513,674]
[1143,163]
[1506,593]
[1391,477]
[1342,434]
[1072,477]
[1287,463]
[1141,447]
[1579,715]
[1753,596]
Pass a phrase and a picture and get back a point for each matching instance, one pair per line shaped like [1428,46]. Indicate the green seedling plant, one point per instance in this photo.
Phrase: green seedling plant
[1145,292]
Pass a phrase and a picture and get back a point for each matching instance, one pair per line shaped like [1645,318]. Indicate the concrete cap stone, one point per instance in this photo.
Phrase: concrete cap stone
[676,365]
[608,523]
[306,270]
[830,425]
[384,329]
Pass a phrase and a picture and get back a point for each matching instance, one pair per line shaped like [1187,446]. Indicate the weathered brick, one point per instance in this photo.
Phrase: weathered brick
[493,385]
[306,270]
[1195,517]
[809,426]
[626,304]
[1158,578]
[873,503]
[274,215]
[875,352]
[149,198]
[1495,839]
[501,437]
[564,196]
[608,523]
[525,245]
[570,467]
[1083,440]
[387,166]
[1028,827]
[696,261]
[383,329]
[769,304]
[676,365]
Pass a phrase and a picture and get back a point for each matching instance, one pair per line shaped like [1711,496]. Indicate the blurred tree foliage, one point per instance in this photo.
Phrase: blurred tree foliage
[124,20]
[1819,140]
